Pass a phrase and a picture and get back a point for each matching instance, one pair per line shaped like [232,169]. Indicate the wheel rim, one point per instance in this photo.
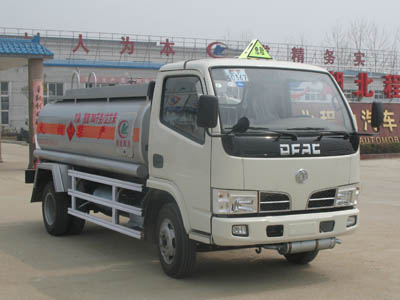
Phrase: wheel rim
[50,209]
[167,241]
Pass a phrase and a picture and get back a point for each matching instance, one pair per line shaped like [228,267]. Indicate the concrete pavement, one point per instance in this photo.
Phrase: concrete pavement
[101,264]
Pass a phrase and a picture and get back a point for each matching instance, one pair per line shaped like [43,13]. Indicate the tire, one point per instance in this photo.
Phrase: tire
[76,225]
[301,258]
[55,211]
[177,253]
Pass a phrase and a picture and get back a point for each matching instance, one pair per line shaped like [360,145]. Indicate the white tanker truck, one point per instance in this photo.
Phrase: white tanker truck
[215,155]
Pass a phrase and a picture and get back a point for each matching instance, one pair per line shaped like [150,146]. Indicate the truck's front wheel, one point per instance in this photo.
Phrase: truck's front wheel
[176,251]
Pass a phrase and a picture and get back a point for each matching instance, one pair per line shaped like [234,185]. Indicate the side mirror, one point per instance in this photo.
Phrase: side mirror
[377,115]
[207,111]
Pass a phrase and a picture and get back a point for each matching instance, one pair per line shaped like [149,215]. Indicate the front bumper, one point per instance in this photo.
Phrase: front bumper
[295,228]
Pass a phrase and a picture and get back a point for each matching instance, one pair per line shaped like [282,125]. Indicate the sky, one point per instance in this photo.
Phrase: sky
[270,21]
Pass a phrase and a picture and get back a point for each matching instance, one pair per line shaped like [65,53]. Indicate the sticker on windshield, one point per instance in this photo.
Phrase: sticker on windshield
[236,75]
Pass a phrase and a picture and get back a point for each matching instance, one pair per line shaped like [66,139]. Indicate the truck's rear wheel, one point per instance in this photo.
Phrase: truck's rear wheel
[301,258]
[176,251]
[55,211]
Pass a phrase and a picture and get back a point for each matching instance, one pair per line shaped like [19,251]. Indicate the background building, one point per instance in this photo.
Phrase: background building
[117,58]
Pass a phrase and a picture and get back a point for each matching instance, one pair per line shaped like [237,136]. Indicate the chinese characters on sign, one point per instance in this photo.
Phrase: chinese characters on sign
[366,116]
[302,54]
[327,114]
[390,131]
[298,55]
[329,57]
[392,86]
[167,50]
[358,59]
[37,86]
[323,114]
[95,118]
[128,45]
[339,78]
[363,81]
[80,44]
[388,120]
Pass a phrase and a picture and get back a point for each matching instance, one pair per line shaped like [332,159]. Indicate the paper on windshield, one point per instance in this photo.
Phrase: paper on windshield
[236,75]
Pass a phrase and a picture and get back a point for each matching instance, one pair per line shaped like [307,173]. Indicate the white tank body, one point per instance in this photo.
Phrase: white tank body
[109,123]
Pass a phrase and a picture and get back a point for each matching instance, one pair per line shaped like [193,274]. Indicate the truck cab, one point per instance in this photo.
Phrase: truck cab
[293,169]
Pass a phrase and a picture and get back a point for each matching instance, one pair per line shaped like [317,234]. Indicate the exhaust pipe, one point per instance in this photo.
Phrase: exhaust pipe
[304,246]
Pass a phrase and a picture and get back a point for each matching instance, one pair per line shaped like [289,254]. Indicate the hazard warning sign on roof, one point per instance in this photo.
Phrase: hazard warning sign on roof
[255,50]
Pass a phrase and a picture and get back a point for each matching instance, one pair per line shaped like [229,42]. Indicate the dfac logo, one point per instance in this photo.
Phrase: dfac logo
[123,129]
[302,149]
[217,50]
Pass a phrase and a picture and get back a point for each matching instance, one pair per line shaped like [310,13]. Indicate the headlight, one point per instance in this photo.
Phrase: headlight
[235,202]
[347,195]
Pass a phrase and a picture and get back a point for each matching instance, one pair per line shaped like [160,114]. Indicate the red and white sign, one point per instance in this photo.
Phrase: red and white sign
[37,86]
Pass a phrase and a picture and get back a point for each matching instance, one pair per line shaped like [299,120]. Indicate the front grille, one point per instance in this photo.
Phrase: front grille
[270,202]
[322,199]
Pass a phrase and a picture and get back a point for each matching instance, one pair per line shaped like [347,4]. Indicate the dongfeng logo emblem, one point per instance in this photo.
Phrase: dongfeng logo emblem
[301,176]
[123,129]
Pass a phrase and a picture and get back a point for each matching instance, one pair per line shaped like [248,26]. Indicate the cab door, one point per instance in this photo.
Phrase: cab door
[179,150]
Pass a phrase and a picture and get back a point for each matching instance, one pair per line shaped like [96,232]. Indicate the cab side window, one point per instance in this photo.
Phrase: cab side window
[179,106]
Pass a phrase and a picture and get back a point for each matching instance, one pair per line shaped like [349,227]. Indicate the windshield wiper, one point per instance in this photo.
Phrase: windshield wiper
[279,133]
[306,128]
[345,134]
[323,132]
[266,130]
[243,125]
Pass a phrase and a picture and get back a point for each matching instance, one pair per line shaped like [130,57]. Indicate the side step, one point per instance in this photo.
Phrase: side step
[107,224]
[113,203]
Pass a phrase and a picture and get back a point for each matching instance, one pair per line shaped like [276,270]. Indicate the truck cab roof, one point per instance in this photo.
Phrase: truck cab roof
[205,64]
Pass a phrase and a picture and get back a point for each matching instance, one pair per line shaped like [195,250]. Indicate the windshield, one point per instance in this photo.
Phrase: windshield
[275,99]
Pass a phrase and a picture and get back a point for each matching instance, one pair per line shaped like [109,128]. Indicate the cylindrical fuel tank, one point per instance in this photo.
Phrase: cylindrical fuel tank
[110,123]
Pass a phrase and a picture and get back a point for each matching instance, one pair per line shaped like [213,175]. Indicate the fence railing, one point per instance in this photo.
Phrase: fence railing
[103,46]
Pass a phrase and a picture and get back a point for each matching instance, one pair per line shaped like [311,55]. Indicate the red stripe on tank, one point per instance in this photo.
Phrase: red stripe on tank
[82,131]
[51,128]
[95,132]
